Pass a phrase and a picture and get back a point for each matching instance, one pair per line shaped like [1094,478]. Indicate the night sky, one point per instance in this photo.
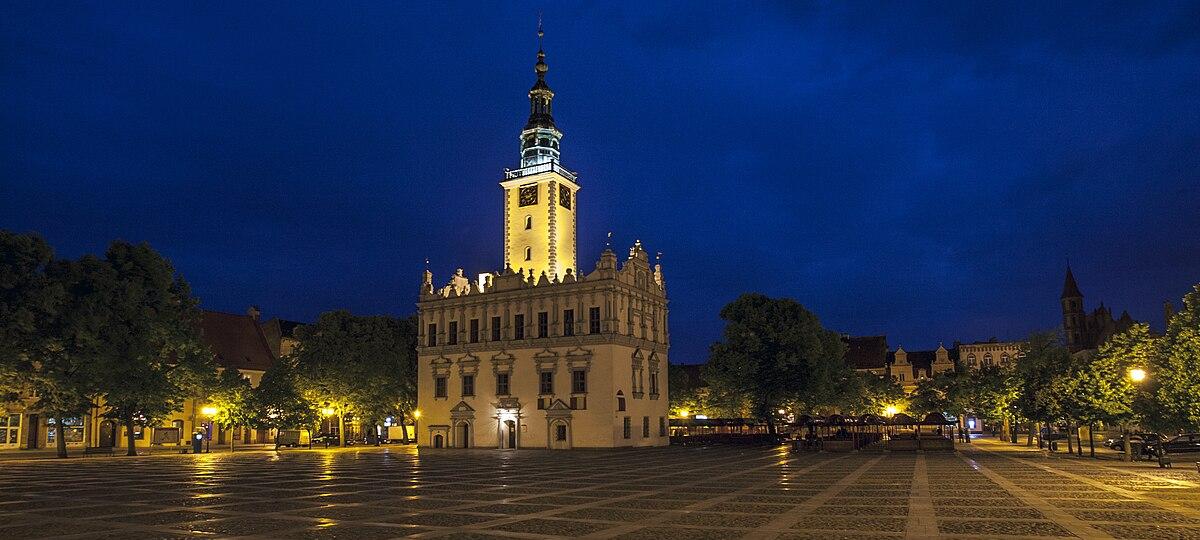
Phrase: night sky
[918,170]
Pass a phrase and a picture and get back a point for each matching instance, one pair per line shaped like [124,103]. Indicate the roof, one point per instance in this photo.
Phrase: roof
[237,341]
[285,327]
[866,352]
[1070,288]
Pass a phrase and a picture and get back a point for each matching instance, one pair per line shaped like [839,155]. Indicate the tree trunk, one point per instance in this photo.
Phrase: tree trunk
[1029,437]
[232,439]
[1078,440]
[404,427]
[1092,439]
[1070,448]
[129,437]
[341,430]
[62,440]
[1128,455]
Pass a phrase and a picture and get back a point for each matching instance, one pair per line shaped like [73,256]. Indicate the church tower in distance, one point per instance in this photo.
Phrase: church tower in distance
[1073,316]
[539,197]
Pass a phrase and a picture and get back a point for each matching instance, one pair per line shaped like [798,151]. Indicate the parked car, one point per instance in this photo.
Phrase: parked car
[1186,443]
[1144,443]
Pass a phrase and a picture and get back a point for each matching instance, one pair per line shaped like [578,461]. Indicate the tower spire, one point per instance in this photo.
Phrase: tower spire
[540,137]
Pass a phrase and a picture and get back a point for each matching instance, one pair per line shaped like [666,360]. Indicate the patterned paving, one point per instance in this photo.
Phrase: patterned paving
[707,493]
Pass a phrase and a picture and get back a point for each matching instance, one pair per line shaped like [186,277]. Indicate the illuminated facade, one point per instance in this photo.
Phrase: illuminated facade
[539,354]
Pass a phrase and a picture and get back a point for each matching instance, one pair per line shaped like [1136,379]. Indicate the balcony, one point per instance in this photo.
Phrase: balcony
[538,169]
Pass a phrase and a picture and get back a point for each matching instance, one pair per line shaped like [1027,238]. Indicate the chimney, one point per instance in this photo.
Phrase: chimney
[254,313]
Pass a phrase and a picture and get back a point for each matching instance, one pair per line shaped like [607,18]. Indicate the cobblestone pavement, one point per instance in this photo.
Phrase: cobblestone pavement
[989,491]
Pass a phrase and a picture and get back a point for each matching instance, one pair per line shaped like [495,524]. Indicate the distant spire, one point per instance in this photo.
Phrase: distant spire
[1070,288]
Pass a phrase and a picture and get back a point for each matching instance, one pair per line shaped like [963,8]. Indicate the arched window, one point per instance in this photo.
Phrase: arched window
[971,359]
[987,359]
[1004,358]
[529,254]
[528,224]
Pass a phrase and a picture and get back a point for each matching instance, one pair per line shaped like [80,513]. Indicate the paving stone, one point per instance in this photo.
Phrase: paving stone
[552,527]
[1002,527]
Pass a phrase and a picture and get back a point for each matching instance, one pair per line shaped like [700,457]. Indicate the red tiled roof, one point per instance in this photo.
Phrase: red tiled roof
[237,341]
[866,352]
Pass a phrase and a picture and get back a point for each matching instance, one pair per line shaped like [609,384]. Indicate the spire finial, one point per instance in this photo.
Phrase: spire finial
[608,241]
[541,33]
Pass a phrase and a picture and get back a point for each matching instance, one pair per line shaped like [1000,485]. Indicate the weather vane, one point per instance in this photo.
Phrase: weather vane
[540,32]
[608,243]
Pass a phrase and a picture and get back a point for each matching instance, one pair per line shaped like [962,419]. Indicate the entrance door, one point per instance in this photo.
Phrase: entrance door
[437,440]
[559,436]
[32,429]
[464,435]
[108,433]
[510,433]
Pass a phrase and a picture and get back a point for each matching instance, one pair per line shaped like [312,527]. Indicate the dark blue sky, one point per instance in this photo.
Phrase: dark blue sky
[911,169]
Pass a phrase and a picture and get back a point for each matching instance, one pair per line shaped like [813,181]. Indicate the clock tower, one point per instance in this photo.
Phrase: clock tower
[540,196]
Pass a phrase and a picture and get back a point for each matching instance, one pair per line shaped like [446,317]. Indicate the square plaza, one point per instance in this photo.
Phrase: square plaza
[985,491]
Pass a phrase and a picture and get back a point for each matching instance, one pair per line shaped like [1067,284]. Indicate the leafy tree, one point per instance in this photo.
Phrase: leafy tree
[1099,388]
[151,357]
[684,390]
[232,396]
[993,392]
[1175,374]
[364,366]
[867,393]
[279,401]
[1043,360]
[774,352]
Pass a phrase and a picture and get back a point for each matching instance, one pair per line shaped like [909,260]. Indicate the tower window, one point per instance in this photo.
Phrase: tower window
[528,253]
[528,224]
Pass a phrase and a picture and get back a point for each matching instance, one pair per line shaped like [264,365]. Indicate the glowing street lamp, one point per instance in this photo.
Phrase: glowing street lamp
[1137,374]
[327,411]
[684,413]
[891,410]
[210,411]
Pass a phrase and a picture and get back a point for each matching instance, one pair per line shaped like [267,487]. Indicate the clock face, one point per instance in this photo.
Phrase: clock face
[529,195]
[564,196]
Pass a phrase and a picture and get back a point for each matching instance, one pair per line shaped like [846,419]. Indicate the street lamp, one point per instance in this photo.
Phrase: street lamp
[208,411]
[1137,374]
[891,410]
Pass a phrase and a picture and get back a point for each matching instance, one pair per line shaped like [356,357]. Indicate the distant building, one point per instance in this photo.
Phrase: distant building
[281,336]
[1086,331]
[539,354]
[988,353]
[910,367]
[236,341]
[867,353]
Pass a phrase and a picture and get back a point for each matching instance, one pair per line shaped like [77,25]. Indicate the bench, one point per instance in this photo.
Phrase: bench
[98,450]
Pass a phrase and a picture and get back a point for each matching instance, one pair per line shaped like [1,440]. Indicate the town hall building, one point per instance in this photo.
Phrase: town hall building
[540,354]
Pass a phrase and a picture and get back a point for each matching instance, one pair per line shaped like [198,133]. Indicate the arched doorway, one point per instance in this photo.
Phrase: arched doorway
[108,434]
[463,431]
[437,440]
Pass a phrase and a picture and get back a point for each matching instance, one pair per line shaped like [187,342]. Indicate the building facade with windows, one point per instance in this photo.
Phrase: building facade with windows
[539,354]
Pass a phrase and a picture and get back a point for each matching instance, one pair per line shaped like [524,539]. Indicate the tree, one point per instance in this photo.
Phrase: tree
[867,393]
[774,352]
[362,366]
[993,392]
[150,357]
[279,401]
[1175,372]
[1043,360]
[232,397]
[1099,389]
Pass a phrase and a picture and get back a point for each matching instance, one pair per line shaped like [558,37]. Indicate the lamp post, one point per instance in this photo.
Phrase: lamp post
[209,412]
[1137,375]
[327,412]
[416,416]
